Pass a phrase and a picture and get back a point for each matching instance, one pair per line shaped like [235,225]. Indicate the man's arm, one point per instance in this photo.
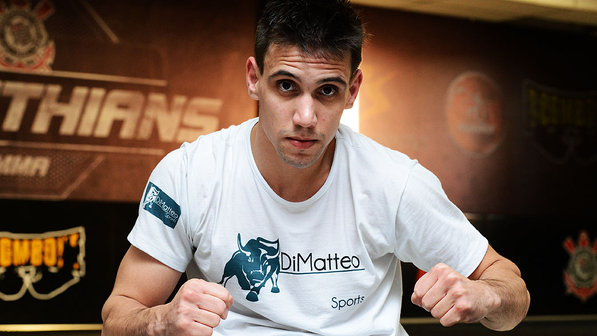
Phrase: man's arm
[494,294]
[136,304]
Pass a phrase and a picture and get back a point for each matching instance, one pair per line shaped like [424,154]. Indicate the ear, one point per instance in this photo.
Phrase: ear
[252,77]
[354,88]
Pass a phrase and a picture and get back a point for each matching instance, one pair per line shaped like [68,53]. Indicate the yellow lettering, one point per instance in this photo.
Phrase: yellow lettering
[21,251]
[36,252]
[73,239]
[60,250]
[50,252]
[5,252]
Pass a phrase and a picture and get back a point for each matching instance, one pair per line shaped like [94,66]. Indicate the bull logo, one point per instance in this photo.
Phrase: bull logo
[152,196]
[253,265]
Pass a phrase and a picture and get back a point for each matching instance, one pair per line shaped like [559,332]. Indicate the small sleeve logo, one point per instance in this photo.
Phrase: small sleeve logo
[159,204]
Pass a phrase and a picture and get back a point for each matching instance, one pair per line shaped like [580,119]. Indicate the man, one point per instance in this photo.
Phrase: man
[302,221]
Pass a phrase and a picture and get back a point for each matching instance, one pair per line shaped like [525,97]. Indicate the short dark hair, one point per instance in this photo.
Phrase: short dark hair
[327,28]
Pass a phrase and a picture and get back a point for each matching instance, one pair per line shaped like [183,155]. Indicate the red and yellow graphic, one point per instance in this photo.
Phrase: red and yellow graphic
[45,265]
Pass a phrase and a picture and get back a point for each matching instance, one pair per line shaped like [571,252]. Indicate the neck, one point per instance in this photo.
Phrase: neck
[291,183]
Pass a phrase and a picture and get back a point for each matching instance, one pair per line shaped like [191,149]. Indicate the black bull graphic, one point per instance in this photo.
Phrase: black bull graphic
[253,265]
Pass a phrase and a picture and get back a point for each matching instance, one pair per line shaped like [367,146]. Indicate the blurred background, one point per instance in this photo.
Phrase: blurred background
[497,97]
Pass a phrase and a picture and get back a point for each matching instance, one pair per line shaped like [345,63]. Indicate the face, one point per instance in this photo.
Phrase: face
[301,99]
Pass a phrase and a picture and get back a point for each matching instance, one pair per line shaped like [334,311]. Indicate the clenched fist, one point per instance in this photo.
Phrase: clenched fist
[197,308]
[452,297]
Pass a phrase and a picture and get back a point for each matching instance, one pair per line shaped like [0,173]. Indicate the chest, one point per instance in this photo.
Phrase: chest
[262,249]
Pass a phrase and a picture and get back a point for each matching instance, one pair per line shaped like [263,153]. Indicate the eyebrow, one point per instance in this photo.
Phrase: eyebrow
[339,80]
[284,73]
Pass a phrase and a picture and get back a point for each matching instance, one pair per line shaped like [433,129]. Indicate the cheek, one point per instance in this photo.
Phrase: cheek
[275,113]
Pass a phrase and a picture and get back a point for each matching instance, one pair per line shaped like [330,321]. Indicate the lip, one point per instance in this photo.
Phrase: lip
[301,143]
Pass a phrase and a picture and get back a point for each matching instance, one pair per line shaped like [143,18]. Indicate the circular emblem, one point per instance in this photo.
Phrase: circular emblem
[582,266]
[24,41]
[474,113]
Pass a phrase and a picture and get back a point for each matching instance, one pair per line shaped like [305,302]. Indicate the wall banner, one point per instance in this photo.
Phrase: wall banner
[89,105]
[563,124]
[43,265]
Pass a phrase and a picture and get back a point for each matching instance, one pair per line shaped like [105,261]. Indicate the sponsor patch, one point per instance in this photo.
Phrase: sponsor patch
[159,204]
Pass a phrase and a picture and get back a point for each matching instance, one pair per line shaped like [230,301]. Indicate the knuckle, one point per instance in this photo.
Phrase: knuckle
[221,306]
[463,307]
[452,278]
[183,324]
[427,304]
[195,283]
[458,292]
[209,332]
[187,294]
[447,322]
[436,313]
[441,267]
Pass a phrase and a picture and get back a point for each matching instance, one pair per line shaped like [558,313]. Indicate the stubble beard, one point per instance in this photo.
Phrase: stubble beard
[297,158]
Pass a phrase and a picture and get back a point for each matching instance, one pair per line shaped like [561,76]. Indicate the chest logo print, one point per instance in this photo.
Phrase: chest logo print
[254,264]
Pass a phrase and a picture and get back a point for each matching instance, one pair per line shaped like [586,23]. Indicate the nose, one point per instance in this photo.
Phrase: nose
[304,113]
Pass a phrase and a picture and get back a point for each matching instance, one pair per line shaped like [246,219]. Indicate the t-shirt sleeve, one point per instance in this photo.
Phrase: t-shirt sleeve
[161,229]
[430,229]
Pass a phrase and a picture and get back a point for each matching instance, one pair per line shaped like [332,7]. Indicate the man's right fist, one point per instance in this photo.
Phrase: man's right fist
[197,308]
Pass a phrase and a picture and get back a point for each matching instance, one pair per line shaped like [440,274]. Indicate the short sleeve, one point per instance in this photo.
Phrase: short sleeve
[161,228]
[430,229]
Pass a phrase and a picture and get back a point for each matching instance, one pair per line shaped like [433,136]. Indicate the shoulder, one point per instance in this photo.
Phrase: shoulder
[217,143]
[373,156]
[199,162]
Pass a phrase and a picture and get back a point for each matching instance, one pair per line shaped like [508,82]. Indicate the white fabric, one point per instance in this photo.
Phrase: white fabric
[376,208]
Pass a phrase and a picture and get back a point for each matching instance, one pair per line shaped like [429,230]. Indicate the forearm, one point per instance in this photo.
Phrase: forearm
[126,316]
[504,281]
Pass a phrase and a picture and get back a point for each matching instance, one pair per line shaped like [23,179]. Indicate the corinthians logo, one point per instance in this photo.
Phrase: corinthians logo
[24,43]
[581,274]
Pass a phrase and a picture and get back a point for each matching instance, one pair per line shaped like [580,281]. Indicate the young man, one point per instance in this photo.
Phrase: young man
[302,221]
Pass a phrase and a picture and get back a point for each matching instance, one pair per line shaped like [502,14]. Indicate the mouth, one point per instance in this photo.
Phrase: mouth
[301,143]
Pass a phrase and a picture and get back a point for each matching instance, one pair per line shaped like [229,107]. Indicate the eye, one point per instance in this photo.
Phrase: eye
[328,90]
[285,85]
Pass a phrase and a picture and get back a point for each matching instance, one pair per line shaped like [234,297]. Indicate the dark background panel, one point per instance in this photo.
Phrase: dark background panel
[106,227]
[536,246]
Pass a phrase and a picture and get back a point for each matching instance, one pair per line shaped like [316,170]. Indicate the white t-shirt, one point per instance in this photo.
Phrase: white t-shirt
[329,265]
